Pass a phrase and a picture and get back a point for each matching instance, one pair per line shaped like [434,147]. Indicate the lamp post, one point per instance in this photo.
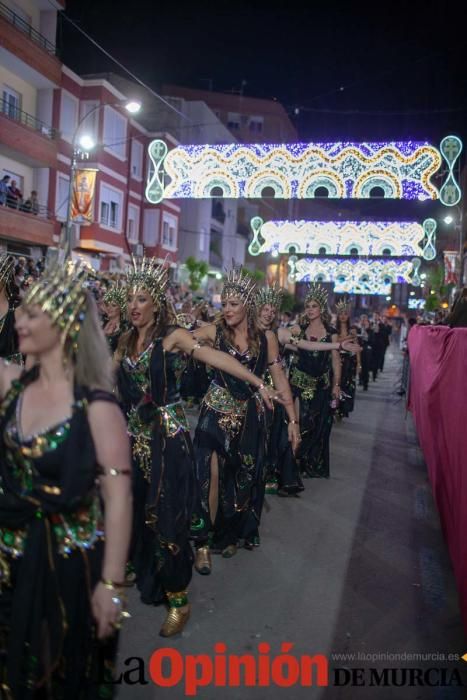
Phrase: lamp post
[81,149]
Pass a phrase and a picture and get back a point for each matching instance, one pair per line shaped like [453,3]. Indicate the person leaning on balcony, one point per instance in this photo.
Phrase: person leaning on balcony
[4,186]
[14,196]
[31,204]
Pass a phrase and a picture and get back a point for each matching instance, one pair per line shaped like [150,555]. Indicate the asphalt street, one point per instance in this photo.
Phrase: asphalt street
[357,565]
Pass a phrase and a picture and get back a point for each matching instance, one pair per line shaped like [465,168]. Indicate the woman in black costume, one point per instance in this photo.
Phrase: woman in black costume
[115,302]
[8,336]
[349,362]
[230,438]
[60,429]
[150,364]
[315,380]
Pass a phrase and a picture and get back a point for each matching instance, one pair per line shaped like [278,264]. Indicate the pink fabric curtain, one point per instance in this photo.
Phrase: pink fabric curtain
[438,402]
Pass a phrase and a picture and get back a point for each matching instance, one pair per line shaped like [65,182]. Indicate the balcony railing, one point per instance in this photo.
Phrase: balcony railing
[23,208]
[9,110]
[24,27]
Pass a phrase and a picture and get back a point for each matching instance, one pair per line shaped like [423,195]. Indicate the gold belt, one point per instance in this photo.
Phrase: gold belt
[173,421]
[306,383]
[221,400]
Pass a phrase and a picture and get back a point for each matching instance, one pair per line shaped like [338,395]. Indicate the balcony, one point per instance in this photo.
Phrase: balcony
[26,138]
[35,229]
[26,52]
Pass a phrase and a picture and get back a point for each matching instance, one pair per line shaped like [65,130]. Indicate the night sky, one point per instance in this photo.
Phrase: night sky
[347,66]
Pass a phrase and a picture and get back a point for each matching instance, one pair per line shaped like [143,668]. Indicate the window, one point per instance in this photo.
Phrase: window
[132,229]
[115,132]
[151,227]
[137,160]
[233,121]
[68,115]
[111,207]
[90,123]
[169,232]
[61,197]
[256,125]
[11,104]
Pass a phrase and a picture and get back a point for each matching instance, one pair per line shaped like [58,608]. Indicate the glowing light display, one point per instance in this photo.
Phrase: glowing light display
[391,238]
[451,148]
[355,276]
[396,170]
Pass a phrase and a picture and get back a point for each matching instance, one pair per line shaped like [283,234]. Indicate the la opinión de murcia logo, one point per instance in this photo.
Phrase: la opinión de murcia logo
[168,668]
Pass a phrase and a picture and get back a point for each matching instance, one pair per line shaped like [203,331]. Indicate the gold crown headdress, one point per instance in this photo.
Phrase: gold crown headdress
[61,293]
[343,306]
[319,294]
[147,274]
[116,294]
[270,295]
[7,266]
[239,285]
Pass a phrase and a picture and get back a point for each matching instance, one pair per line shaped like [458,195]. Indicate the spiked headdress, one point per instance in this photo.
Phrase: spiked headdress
[116,294]
[146,273]
[343,306]
[270,295]
[61,293]
[319,294]
[239,285]
[7,266]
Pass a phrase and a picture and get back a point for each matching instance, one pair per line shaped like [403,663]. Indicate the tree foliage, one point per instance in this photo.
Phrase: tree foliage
[197,271]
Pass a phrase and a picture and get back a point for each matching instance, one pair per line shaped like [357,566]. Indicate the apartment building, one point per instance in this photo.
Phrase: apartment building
[124,223]
[30,74]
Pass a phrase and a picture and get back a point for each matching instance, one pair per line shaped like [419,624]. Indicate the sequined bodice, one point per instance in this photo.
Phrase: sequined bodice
[315,362]
[155,374]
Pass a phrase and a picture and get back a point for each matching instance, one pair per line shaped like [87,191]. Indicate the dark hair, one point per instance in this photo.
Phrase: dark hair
[253,330]
[164,319]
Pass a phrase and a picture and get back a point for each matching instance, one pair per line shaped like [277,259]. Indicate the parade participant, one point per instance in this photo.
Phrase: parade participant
[149,357]
[8,336]
[281,469]
[230,438]
[315,380]
[349,361]
[115,303]
[60,429]
[365,339]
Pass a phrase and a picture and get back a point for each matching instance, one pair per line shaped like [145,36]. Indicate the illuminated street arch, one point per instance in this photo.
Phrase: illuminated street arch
[375,238]
[354,276]
[396,170]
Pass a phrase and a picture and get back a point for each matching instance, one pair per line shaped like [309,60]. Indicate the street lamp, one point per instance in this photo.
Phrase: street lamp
[81,148]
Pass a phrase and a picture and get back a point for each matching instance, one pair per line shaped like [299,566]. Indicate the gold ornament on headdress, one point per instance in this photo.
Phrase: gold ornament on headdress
[270,295]
[239,285]
[7,266]
[116,294]
[343,306]
[319,294]
[61,293]
[147,274]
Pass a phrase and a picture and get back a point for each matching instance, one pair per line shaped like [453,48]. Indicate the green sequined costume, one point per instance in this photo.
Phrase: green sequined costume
[311,381]
[163,471]
[51,554]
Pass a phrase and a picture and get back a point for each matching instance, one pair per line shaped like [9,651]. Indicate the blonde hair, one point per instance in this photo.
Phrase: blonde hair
[92,362]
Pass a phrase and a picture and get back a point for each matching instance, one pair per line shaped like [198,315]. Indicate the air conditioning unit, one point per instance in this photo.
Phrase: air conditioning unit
[137,249]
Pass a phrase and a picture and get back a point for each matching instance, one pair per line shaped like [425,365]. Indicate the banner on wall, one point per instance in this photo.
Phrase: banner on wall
[82,198]
[451,275]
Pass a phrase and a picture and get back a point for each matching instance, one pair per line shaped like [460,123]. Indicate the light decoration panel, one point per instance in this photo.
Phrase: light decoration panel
[399,170]
[391,238]
[353,276]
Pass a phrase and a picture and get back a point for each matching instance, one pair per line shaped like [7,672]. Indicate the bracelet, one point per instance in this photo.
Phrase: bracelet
[196,346]
[294,340]
[260,388]
[293,422]
[114,585]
